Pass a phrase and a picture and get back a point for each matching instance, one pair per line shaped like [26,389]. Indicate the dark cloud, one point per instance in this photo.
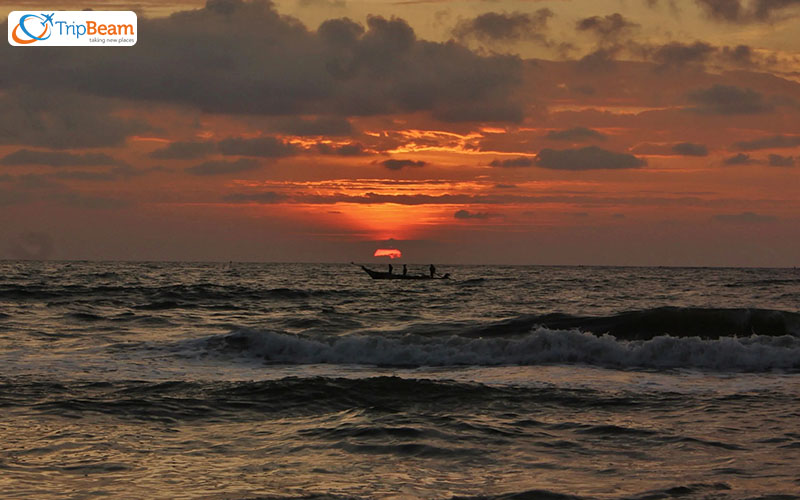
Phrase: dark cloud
[519,161]
[771,142]
[353,149]
[466,214]
[780,161]
[259,147]
[678,54]
[739,159]
[741,55]
[223,167]
[725,10]
[272,65]
[265,197]
[55,119]
[601,59]
[729,100]
[745,218]
[393,164]
[576,134]
[505,186]
[185,150]
[502,27]
[609,27]
[481,112]
[57,159]
[114,174]
[588,158]
[327,126]
[690,149]
[737,11]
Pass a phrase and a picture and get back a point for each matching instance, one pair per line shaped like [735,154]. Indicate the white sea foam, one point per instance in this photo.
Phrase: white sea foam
[540,346]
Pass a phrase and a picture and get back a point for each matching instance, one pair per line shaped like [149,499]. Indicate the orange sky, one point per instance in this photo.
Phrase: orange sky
[547,132]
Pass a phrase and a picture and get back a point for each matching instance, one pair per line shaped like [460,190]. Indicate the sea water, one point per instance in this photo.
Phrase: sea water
[228,381]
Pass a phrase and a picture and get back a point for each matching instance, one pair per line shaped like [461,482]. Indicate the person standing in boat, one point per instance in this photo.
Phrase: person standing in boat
[405,270]
[433,270]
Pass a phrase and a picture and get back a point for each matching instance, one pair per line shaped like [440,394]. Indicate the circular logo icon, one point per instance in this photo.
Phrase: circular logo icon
[28,26]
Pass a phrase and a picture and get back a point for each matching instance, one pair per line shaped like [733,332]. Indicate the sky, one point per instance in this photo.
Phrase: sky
[574,132]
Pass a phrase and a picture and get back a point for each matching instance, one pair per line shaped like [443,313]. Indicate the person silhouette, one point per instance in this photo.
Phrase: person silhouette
[390,269]
[433,270]
[405,270]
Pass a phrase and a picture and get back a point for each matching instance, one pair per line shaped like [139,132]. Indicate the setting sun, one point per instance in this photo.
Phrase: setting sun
[392,253]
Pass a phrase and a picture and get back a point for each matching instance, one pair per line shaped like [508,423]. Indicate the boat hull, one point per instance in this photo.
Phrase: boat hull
[379,275]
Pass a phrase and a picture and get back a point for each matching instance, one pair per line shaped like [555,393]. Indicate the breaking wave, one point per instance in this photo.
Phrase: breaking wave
[540,346]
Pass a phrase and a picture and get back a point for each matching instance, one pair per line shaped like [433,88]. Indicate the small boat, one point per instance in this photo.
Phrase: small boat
[380,275]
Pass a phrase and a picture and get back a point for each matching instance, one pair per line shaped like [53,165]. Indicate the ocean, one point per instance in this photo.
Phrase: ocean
[244,381]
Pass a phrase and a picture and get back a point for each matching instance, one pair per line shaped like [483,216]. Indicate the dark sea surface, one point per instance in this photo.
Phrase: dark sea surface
[186,380]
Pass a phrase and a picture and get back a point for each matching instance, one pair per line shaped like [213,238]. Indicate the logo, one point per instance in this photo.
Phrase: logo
[29,37]
[72,28]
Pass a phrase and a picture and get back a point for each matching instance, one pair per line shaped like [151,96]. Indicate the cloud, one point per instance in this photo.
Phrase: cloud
[320,126]
[57,159]
[601,59]
[588,158]
[774,141]
[690,149]
[739,159]
[466,215]
[729,100]
[393,164]
[223,167]
[724,10]
[780,161]
[741,55]
[352,149]
[265,197]
[57,119]
[576,134]
[185,150]
[736,11]
[260,147]
[116,173]
[678,54]
[609,27]
[275,66]
[745,218]
[502,27]
[519,161]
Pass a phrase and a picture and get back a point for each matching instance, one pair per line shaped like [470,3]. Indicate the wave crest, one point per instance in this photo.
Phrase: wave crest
[540,346]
